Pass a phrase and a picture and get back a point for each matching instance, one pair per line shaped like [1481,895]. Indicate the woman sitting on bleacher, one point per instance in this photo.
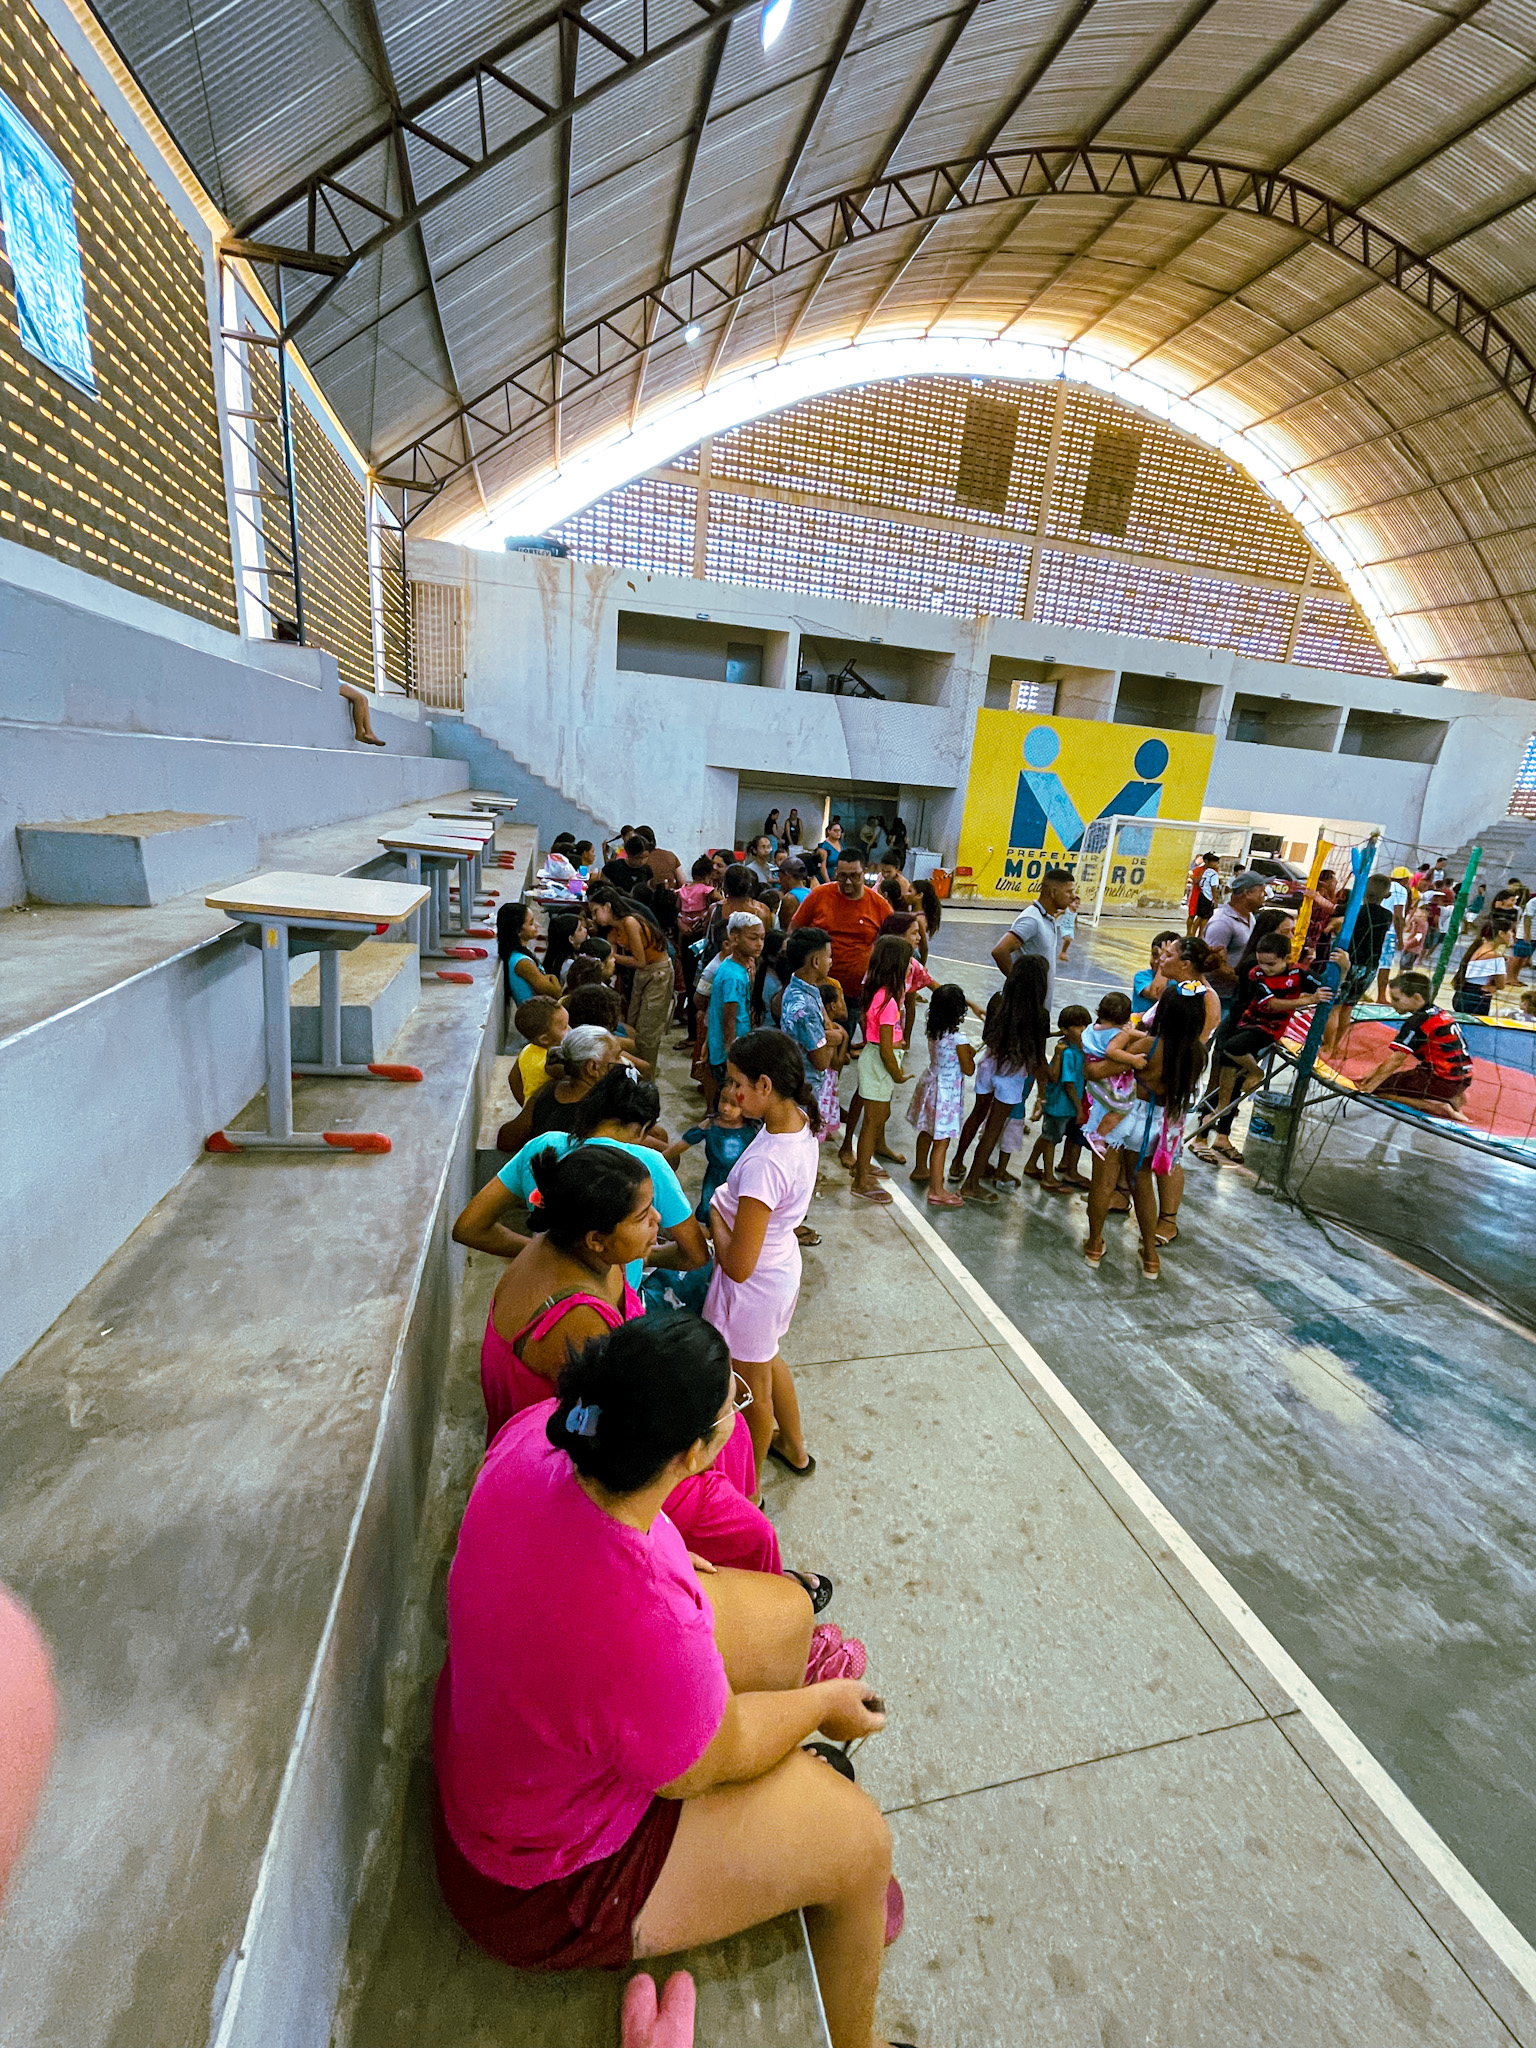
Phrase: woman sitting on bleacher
[594,1211]
[617,1738]
[574,1066]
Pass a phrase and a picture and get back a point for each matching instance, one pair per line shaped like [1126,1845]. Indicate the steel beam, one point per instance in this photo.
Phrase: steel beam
[499,416]
[343,223]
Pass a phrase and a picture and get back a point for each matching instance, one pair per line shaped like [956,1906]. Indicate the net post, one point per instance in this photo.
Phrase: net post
[1458,910]
[1309,901]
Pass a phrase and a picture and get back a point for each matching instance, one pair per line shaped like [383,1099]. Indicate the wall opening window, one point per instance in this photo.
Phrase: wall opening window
[1167,703]
[1383,736]
[1283,722]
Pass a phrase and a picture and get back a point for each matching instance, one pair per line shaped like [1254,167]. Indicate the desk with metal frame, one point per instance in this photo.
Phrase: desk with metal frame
[430,856]
[286,915]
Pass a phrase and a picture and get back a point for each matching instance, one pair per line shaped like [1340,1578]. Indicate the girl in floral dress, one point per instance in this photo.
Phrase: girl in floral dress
[938,1106]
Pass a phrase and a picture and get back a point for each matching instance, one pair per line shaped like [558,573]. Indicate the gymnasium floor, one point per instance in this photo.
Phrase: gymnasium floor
[1352,1442]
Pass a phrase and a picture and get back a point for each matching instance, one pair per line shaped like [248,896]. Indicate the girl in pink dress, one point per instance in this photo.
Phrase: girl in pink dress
[752,1296]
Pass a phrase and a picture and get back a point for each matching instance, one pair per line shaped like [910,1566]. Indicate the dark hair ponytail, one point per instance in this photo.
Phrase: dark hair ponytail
[946,1009]
[635,1398]
[590,1187]
[510,922]
[774,1056]
[621,1097]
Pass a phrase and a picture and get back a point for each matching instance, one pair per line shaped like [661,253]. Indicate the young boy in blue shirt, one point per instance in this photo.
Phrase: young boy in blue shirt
[1063,1099]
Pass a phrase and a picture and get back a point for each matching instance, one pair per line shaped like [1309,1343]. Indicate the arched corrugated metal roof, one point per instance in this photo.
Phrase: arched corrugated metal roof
[511,175]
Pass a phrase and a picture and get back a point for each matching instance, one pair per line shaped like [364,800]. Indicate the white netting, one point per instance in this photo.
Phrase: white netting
[1141,867]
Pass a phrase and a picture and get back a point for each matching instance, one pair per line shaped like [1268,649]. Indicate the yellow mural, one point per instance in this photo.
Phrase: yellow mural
[1037,784]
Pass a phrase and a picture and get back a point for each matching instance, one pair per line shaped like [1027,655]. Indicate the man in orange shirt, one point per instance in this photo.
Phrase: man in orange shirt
[851,916]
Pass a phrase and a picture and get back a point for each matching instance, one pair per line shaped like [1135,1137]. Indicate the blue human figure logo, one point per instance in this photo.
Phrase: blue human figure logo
[1042,800]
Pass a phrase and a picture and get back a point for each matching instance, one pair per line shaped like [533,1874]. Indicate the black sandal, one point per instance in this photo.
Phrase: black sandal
[839,1762]
[800,1471]
[820,1585]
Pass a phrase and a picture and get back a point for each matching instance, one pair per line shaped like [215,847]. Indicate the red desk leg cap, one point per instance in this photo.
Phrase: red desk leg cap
[357,1141]
[395,1073]
[442,975]
[219,1143]
[464,953]
[473,934]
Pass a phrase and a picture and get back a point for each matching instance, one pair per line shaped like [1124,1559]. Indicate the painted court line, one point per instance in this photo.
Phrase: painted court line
[1453,1877]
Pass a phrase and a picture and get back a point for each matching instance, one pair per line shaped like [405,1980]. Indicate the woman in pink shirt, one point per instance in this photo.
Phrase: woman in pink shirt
[751,1299]
[617,1738]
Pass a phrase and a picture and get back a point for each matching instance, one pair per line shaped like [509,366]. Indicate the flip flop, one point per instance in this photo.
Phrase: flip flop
[1207,1153]
[986,1196]
[920,1176]
[1035,1173]
[946,1201]
[800,1471]
[880,1196]
[1153,1271]
[1093,1257]
[805,1235]
[829,1754]
[1164,1242]
[819,1585]
[896,1158]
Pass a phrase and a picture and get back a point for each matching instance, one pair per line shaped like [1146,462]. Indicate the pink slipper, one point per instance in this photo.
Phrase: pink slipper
[945,1201]
[671,2024]
[895,1912]
[833,1655]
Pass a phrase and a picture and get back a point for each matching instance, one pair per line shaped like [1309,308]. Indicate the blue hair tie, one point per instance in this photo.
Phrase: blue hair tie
[582,1420]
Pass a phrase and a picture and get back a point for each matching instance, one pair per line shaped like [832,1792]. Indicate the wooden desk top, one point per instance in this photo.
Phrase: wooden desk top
[434,841]
[333,899]
[485,799]
[464,824]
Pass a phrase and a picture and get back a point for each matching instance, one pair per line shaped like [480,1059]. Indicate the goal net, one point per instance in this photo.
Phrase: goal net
[1141,867]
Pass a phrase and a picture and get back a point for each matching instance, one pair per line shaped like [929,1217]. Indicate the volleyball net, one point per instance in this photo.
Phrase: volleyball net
[1141,867]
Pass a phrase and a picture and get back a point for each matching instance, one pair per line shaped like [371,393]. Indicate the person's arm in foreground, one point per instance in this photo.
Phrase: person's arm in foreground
[759,1729]
[888,1057]
[739,1245]
[480,1226]
[1006,951]
[687,1250]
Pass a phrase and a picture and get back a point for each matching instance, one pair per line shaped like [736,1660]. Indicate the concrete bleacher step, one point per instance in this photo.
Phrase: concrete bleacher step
[215,1464]
[169,995]
[433,1988]
[69,772]
[492,768]
[412,1978]
[380,987]
[134,858]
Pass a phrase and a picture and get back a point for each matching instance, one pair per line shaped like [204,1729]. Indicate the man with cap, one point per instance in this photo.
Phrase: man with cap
[1229,931]
[1399,902]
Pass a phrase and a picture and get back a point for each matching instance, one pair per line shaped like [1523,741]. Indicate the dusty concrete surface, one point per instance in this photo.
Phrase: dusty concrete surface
[184,1453]
[56,955]
[1113,1824]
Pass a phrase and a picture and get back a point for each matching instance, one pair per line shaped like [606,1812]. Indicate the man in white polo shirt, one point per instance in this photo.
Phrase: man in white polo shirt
[1034,930]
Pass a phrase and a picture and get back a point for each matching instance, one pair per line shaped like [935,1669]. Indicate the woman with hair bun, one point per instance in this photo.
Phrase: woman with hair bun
[581,1273]
[752,1297]
[594,1210]
[617,1740]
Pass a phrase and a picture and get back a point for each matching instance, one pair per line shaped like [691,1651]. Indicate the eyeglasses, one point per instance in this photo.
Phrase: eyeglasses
[741,1398]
